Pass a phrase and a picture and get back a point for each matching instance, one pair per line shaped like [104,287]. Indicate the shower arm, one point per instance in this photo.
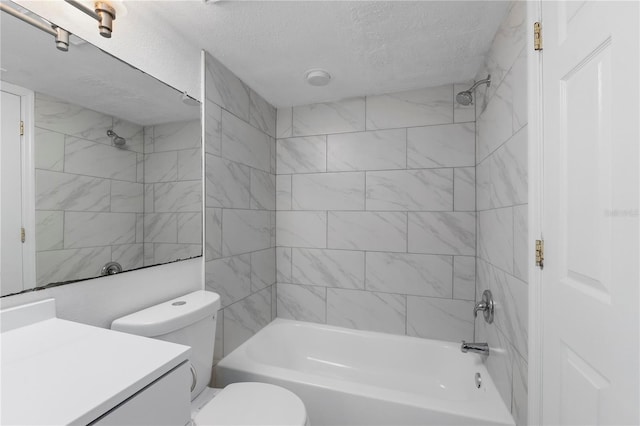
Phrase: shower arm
[478,83]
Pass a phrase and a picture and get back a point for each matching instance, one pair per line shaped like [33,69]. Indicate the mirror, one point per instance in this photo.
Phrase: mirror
[117,158]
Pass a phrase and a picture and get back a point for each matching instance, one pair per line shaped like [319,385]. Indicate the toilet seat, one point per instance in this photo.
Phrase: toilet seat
[253,404]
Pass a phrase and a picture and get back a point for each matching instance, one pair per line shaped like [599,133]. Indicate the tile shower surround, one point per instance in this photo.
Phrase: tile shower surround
[501,185]
[83,183]
[376,223]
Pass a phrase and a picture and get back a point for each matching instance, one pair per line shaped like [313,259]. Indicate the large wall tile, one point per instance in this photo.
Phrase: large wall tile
[244,231]
[178,196]
[364,310]
[127,197]
[169,252]
[464,277]
[284,123]
[328,268]
[519,401]
[89,158]
[410,190]
[230,278]
[129,256]
[160,228]
[301,229]
[521,242]
[91,229]
[49,150]
[177,136]
[464,189]
[63,265]
[328,191]
[225,89]
[495,123]
[213,234]
[380,231]
[411,108]
[244,143]
[442,233]
[190,164]
[283,264]
[263,268]
[302,155]
[263,190]
[245,318]
[189,228]
[441,319]
[161,167]
[61,191]
[331,117]
[73,120]
[262,114]
[49,230]
[451,145]
[283,192]
[212,128]
[502,177]
[228,184]
[417,274]
[381,150]
[495,237]
[302,302]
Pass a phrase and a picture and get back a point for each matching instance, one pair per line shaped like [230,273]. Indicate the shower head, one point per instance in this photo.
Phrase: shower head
[466,97]
[117,140]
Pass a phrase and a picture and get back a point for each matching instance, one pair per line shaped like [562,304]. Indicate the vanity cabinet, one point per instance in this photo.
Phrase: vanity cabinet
[162,403]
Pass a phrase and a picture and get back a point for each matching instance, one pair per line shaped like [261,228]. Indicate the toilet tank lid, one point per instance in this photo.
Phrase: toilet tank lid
[169,316]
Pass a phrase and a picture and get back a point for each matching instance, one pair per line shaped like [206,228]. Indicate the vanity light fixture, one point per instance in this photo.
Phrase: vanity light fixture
[104,13]
[61,35]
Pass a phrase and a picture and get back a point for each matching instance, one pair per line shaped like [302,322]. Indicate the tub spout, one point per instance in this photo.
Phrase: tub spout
[479,348]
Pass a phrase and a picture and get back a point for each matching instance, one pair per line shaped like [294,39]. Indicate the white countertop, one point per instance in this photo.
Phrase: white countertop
[57,372]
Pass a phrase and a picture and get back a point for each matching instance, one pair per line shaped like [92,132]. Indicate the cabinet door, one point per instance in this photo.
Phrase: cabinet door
[167,401]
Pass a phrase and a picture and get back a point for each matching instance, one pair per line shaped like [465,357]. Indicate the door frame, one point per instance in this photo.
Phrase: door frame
[535,209]
[27,105]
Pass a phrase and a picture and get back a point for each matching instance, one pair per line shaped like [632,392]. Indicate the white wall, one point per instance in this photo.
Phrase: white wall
[157,50]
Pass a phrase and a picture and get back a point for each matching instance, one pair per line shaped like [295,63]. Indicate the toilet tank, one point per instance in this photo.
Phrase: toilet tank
[188,320]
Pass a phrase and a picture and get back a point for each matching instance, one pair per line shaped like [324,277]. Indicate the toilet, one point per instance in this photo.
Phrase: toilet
[191,320]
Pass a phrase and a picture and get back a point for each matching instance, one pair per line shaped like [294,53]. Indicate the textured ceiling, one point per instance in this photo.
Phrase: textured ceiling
[368,46]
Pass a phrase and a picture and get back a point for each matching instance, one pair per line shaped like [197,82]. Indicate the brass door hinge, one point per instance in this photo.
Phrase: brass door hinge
[537,36]
[23,235]
[540,253]
[22,128]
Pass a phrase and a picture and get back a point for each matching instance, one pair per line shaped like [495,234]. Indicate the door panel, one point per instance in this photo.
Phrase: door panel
[590,213]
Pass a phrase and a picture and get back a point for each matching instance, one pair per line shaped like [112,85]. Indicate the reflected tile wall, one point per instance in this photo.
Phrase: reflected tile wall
[501,187]
[240,200]
[85,184]
[375,202]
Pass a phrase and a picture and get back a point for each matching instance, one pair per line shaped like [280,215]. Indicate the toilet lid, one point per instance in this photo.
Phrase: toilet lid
[253,404]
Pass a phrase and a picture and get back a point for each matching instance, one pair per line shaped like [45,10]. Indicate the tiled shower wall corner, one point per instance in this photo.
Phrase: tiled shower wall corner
[240,205]
[376,214]
[173,191]
[501,186]
[92,206]
[84,184]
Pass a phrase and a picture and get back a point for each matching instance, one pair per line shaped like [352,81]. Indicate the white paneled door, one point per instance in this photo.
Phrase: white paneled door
[590,220]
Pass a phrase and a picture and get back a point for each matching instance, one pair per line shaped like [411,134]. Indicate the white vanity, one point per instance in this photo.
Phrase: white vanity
[58,372]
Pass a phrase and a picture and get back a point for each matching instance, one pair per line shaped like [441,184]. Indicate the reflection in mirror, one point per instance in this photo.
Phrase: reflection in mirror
[117,158]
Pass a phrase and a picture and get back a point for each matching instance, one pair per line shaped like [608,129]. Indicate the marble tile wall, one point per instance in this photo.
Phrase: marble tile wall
[138,205]
[501,187]
[376,222]
[240,200]
[89,194]
[172,167]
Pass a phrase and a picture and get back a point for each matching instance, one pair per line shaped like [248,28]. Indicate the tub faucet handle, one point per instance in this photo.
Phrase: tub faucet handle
[486,306]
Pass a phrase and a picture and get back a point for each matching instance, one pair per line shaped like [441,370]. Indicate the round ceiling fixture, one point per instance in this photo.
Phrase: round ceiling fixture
[318,77]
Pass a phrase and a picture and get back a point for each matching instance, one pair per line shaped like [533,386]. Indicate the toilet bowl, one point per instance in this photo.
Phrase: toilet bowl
[191,320]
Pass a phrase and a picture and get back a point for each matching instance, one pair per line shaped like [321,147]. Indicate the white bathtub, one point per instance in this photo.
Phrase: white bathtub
[349,377]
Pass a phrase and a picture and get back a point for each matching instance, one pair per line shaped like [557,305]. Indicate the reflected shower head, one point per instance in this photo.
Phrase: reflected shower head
[117,140]
[466,97]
